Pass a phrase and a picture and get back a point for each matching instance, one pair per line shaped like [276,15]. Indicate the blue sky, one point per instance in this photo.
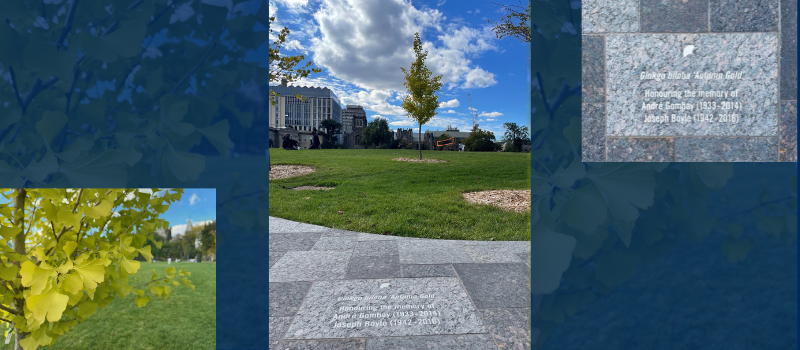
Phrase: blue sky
[197,204]
[360,46]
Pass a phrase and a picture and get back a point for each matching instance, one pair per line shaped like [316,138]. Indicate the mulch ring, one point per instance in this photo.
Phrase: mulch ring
[287,171]
[417,160]
[511,200]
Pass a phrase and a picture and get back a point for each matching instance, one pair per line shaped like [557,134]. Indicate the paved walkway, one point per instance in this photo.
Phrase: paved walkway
[335,289]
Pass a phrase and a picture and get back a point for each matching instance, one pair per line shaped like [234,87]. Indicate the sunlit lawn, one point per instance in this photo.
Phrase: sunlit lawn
[186,320]
[376,194]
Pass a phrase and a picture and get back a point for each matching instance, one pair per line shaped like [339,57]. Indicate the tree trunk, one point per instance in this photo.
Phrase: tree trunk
[19,248]
[420,142]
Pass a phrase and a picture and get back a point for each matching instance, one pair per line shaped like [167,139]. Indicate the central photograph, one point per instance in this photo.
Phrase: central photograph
[399,174]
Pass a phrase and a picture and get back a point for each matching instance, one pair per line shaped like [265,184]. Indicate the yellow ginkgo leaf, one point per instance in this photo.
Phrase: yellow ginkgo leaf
[86,309]
[130,265]
[99,211]
[63,269]
[50,305]
[72,284]
[145,251]
[91,272]
[35,277]
[70,246]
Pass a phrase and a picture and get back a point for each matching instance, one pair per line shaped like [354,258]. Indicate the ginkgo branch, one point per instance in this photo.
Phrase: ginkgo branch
[16,89]
[3,319]
[78,201]
[67,24]
[8,309]
[146,283]
[200,63]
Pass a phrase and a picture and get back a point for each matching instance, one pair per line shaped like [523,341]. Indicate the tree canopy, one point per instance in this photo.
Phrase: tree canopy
[480,141]
[377,133]
[515,136]
[68,252]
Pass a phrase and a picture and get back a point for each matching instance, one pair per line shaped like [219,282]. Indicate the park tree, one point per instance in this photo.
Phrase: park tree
[331,128]
[377,133]
[480,141]
[208,238]
[515,136]
[421,102]
[444,137]
[515,23]
[68,252]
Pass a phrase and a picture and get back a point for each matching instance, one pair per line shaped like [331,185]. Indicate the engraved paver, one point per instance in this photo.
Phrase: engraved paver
[335,289]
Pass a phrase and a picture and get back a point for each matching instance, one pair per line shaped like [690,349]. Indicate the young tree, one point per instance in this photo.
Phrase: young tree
[515,136]
[68,252]
[421,102]
[444,137]
[331,128]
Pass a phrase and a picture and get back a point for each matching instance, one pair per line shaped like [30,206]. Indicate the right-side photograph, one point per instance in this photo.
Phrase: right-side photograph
[689,81]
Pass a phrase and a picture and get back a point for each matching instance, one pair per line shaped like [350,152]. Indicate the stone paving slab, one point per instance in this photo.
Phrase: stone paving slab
[448,294]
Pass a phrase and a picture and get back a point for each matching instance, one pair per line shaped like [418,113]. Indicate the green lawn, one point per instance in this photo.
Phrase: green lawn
[377,194]
[186,320]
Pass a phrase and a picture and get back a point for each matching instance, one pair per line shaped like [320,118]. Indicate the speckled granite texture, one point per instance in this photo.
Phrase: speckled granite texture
[610,16]
[671,16]
[641,150]
[754,55]
[757,38]
[593,78]
[788,131]
[730,149]
[593,145]
[744,15]
[789,49]
[479,291]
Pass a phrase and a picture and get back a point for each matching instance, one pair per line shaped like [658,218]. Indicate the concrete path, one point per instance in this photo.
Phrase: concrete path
[335,289]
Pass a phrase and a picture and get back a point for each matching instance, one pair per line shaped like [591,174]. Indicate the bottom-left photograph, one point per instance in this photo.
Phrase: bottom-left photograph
[94,268]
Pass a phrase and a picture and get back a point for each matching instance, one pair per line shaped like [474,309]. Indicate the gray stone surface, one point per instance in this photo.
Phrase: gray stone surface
[285,298]
[277,329]
[274,257]
[754,55]
[309,271]
[415,251]
[326,344]
[387,266]
[332,232]
[376,248]
[508,327]
[641,150]
[788,131]
[744,15]
[593,78]
[422,306]
[496,252]
[593,126]
[309,266]
[417,271]
[610,16]
[496,285]
[671,16]
[341,243]
[726,149]
[439,342]
[789,49]
[284,242]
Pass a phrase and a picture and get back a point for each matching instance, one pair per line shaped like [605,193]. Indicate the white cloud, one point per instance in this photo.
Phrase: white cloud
[404,122]
[378,116]
[441,2]
[450,111]
[491,114]
[178,230]
[194,199]
[449,104]
[479,78]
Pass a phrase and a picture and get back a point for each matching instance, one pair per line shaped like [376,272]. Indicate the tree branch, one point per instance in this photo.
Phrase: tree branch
[144,284]
[67,25]
[3,319]
[78,201]
[756,207]
[9,310]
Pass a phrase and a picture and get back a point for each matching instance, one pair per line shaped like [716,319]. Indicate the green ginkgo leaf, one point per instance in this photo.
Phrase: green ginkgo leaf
[49,305]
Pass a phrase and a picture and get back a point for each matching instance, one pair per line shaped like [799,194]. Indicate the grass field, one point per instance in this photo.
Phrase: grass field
[186,320]
[377,194]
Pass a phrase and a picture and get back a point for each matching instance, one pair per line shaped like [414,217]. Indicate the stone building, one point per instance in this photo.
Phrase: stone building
[298,116]
[354,120]
[430,137]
